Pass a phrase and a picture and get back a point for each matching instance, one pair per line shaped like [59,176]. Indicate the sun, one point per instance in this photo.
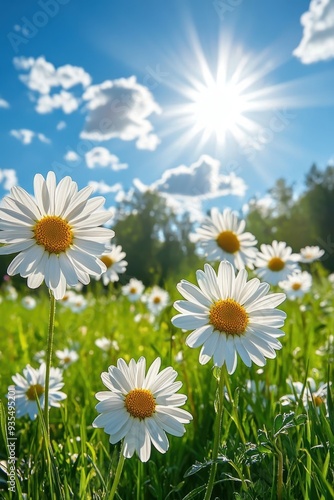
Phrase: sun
[225,98]
[218,108]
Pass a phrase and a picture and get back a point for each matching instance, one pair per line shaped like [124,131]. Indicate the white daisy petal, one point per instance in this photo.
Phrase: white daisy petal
[192,293]
[152,373]
[157,436]
[188,321]
[219,355]
[186,307]
[122,432]
[230,356]
[199,336]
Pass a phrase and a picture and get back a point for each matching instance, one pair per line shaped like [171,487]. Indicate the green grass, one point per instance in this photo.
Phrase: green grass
[267,451]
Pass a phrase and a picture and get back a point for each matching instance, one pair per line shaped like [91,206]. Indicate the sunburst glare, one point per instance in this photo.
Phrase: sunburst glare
[231,99]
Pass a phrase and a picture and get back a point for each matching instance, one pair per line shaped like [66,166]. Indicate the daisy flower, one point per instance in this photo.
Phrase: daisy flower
[39,356]
[230,316]
[310,254]
[297,284]
[67,357]
[156,300]
[68,297]
[275,262]
[113,260]
[77,303]
[28,302]
[149,317]
[222,237]
[10,291]
[31,386]
[306,394]
[55,234]
[133,290]
[141,408]
[106,344]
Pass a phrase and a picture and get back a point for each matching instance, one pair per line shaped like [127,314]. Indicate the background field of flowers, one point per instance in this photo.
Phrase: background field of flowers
[276,417]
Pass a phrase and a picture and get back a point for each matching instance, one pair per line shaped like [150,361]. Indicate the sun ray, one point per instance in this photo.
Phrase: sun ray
[228,100]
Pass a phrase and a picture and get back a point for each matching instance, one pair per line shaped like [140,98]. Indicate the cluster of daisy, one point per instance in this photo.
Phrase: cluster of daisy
[57,238]
[76,302]
[156,299]
[106,344]
[221,237]
[308,393]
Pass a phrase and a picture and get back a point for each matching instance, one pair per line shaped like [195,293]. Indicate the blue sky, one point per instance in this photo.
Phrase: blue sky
[206,101]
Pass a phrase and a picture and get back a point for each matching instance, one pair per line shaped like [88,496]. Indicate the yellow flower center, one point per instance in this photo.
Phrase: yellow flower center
[67,359]
[227,316]
[133,290]
[228,241]
[276,264]
[108,261]
[317,400]
[140,403]
[296,286]
[54,233]
[34,392]
[156,300]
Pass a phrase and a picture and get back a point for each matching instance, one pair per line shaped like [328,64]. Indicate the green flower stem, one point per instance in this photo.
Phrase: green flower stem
[279,474]
[48,361]
[236,420]
[117,474]
[235,413]
[217,433]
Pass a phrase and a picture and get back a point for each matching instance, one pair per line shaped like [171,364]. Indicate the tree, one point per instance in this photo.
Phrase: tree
[155,239]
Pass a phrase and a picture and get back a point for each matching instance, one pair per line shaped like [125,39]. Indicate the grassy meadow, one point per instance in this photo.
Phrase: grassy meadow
[268,450]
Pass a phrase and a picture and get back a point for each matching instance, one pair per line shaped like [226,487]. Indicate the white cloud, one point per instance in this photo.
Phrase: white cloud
[102,188]
[43,138]
[8,178]
[64,100]
[119,109]
[265,205]
[185,189]
[61,125]
[101,157]
[26,136]
[202,180]
[4,103]
[42,75]
[23,135]
[317,43]
[149,142]
[72,156]
[24,63]
[68,76]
